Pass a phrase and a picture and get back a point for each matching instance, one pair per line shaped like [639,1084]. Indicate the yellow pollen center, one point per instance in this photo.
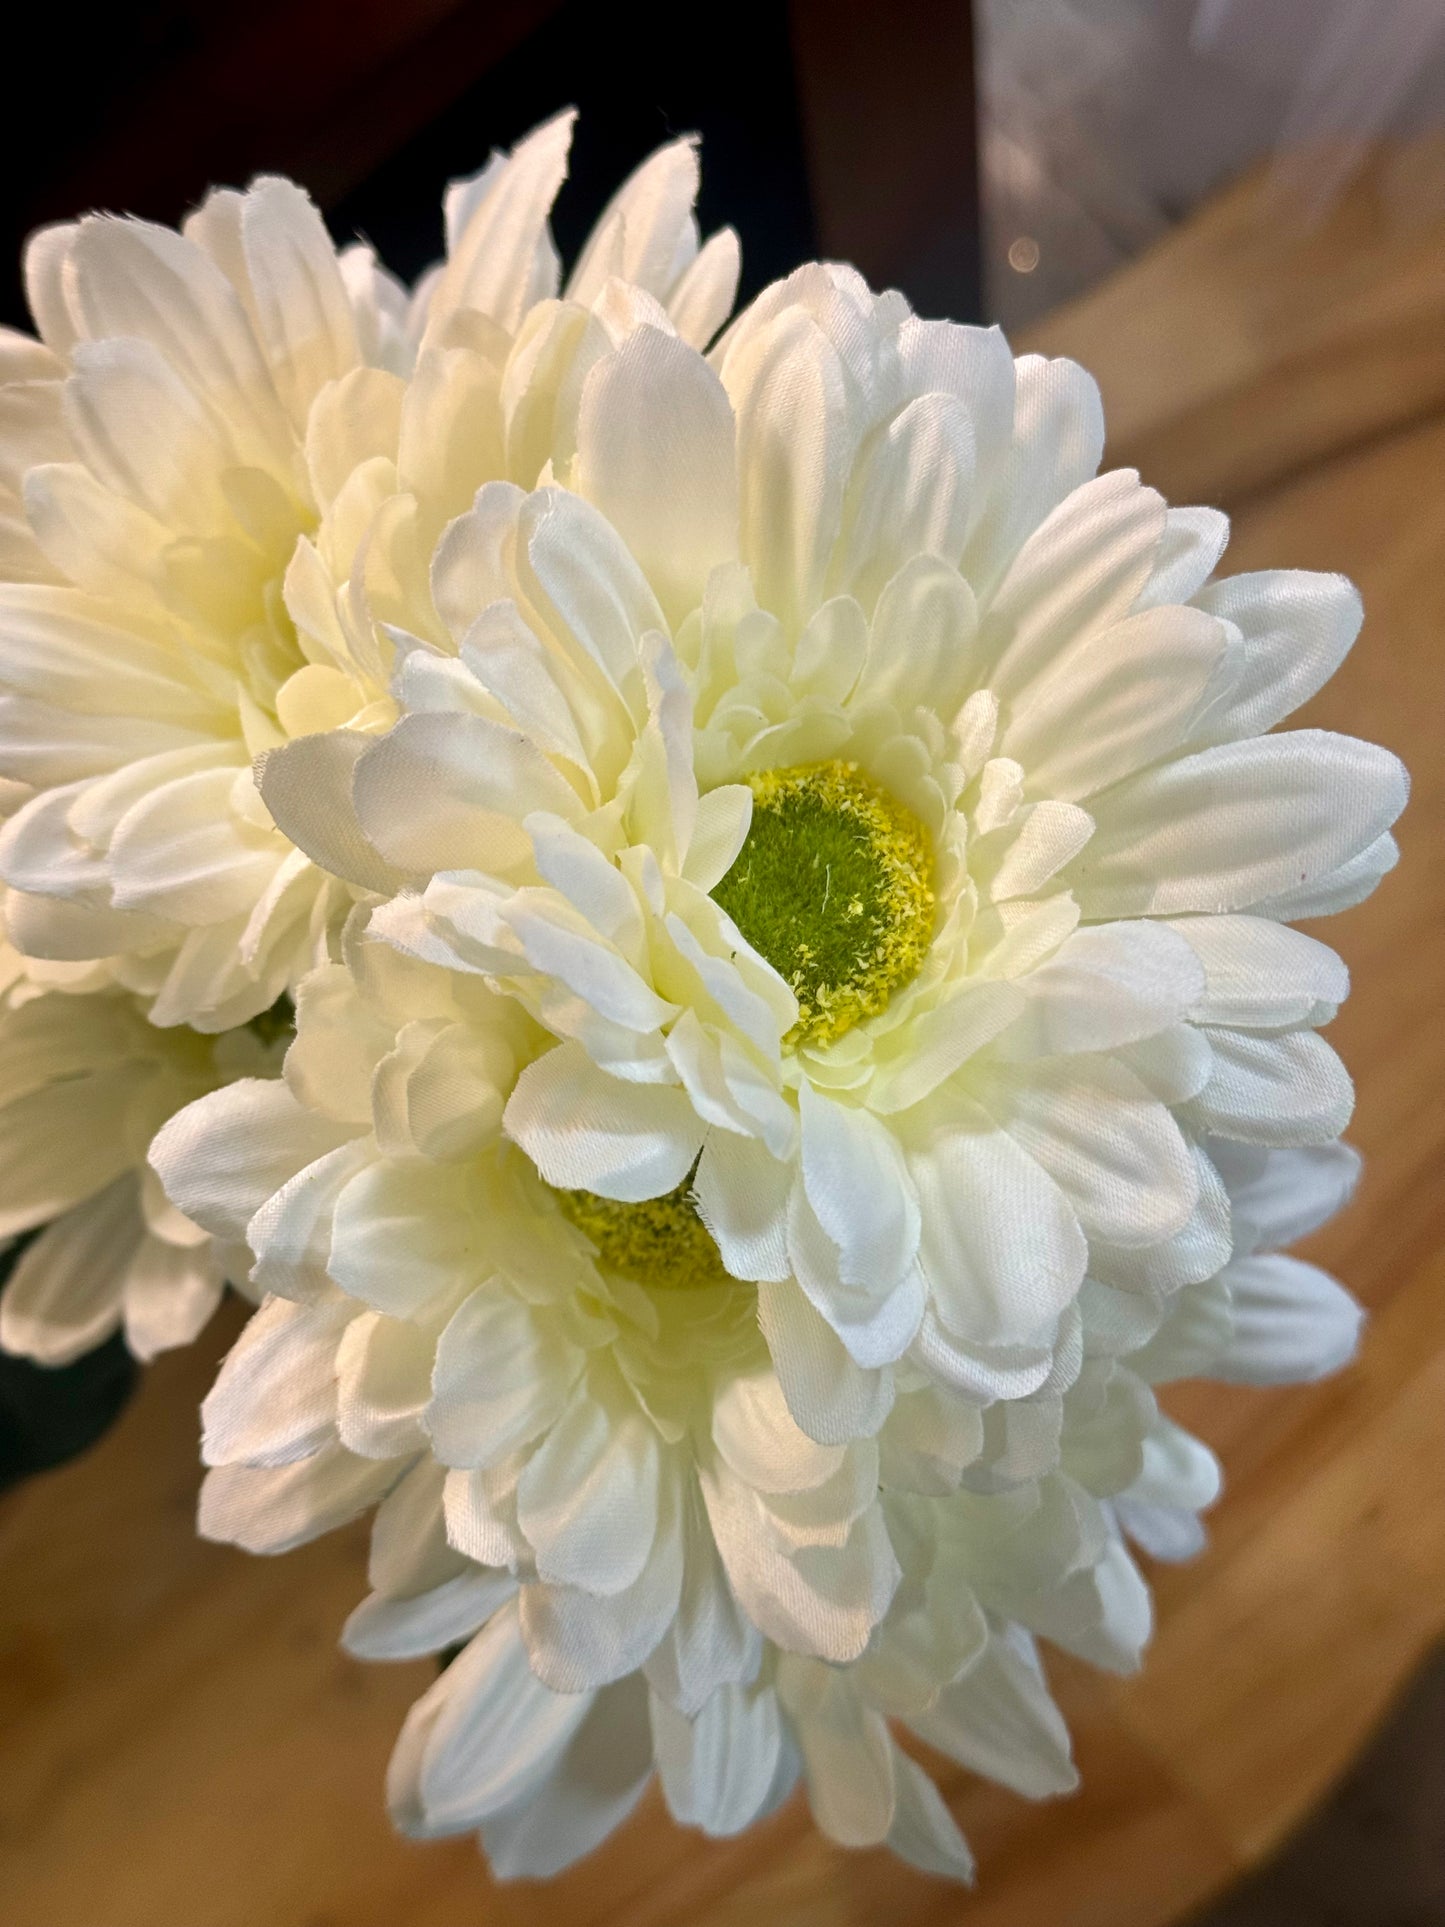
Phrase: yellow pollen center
[660,1241]
[834,886]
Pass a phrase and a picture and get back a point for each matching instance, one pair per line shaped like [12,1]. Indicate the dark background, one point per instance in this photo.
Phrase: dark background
[834,130]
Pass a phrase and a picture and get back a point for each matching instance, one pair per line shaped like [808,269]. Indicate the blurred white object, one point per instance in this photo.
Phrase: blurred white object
[1103,121]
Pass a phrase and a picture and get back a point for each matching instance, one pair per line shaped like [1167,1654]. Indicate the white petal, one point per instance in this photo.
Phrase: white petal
[384,1628]
[402,1236]
[1077,574]
[592,1787]
[1115,1152]
[501,1378]
[490,1733]
[832,1398]
[449,792]
[274,1400]
[1284,1090]
[273,1509]
[1218,830]
[222,1157]
[1261,975]
[1002,1249]
[1296,628]
[1291,1323]
[1111,703]
[1000,1721]
[588,1499]
[65,1294]
[924,1832]
[655,454]
[1280,1195]
[847,1755]
[717,1768]
[587,1131]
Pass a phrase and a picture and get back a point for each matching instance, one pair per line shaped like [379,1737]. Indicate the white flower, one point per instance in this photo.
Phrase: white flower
[194,450]
[585,1467]
[874,805]
[85,1082]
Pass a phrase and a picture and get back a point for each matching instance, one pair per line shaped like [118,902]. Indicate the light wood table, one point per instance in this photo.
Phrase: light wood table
[181,1744]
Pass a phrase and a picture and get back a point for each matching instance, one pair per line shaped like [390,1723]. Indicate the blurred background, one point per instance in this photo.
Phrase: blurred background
[1233,211]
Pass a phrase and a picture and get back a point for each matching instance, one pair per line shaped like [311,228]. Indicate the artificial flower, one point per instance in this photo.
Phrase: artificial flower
[585,1470]
[85,1082]
[876,808]
[193,451]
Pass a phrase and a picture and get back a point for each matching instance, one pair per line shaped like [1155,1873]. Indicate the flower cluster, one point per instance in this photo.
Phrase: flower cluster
[785,875]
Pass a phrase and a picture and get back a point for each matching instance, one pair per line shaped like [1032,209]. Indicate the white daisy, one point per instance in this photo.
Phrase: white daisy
[85,1082]
[190,457]
[873,804]
[586,1471]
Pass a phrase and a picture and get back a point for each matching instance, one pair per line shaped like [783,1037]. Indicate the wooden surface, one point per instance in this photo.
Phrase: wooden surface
[181,1744]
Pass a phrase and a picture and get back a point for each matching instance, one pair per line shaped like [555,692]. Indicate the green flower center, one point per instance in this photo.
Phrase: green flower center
[661,1241]
[834,886]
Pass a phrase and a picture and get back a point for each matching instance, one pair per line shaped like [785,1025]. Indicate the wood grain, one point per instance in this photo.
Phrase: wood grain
[181,1745]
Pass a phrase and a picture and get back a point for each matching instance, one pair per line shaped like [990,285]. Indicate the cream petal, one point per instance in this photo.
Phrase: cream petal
[170,1293]
[181,852]
[593,1786]
[646,232]
[655,455]
[718,1767]
[501,1378]
[307,786]
[383,1370]
[1290,1089]
[135,279]
[303,312]
[501,260]
[1218,830]
[1116,1153]
[287,1345]
[271,1509]
[449,792]
[587,1131]
[832,1398]
[222,1157]
[999,1720]
[65,1294]
[1291,1323]
[702,297]
[1296,628]
[794,436]
[588,1499]
[429,1622]
[1002,1249]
